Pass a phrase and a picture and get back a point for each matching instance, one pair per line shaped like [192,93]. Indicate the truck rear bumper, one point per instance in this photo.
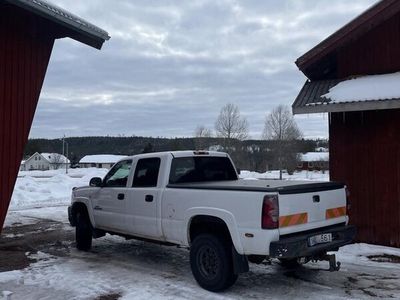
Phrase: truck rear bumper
[298,245]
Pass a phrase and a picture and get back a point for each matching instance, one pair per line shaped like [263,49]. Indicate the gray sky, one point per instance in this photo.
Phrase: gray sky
[171,65]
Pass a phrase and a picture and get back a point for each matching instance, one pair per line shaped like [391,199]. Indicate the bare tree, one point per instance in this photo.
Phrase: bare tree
[202,134]
[56,160]
[230,125]
[281,128]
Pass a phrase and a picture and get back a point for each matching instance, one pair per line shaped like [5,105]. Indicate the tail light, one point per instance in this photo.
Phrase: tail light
[270,212]
[348,204]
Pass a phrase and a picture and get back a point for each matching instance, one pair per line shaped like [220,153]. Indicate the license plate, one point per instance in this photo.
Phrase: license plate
[320,239]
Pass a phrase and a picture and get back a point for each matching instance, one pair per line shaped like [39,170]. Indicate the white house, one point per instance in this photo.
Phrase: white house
[216,148]
[45,161]
[100,161]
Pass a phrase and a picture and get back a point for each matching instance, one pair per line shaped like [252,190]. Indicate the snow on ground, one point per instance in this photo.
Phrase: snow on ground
[48,188]
[301,175]
[138,270]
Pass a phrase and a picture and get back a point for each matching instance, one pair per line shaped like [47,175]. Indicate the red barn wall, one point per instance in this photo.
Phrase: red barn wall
[24,55]
[365,154]
[374,53]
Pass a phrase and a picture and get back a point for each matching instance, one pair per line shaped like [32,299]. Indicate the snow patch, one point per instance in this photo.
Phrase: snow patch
[366,88]
[101,158]
[302,175]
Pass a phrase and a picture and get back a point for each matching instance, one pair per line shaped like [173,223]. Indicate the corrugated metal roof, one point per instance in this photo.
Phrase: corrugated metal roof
[310,100]
[83,30]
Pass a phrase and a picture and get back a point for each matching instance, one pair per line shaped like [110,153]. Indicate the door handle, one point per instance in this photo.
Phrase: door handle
[97,208]
[121,196]
[149,198]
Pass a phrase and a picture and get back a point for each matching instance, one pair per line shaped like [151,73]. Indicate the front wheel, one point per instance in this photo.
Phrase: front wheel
[83,231]
[211,262]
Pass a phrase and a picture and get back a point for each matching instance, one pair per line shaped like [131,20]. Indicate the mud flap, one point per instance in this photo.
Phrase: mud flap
[240,262]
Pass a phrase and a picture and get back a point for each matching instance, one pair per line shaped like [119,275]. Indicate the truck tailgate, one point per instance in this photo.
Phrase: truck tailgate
[300,211]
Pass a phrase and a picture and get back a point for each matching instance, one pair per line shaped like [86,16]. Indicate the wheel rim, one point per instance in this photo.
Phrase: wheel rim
[208,262]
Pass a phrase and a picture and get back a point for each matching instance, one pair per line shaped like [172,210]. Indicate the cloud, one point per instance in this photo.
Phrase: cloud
[172,65]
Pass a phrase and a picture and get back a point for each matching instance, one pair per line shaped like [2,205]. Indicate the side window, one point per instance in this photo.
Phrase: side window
[146,173]
[118,175]
[182,170]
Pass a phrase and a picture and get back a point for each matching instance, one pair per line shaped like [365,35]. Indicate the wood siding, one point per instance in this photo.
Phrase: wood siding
[365,154]
[376,52]
[25,48]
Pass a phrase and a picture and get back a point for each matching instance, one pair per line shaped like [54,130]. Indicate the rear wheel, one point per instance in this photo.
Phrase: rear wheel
[211,262]
[83,231]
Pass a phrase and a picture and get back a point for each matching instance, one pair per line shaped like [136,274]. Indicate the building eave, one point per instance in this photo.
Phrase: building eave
[347,107]
[77,28]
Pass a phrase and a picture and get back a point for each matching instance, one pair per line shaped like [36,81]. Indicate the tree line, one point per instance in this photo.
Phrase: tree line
[277,149]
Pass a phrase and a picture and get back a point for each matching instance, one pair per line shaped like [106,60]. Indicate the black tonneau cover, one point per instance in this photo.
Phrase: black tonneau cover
[268,186]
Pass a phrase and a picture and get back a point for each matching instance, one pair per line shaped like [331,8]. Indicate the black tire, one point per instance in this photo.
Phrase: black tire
[83,231]
[256,259]
[289,263]
[211,262]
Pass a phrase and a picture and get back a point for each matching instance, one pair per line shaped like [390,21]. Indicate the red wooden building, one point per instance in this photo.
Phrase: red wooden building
[313,161]
[352,76]
[28,30]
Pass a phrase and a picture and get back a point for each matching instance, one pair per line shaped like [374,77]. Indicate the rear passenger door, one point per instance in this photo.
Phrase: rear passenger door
[143,206]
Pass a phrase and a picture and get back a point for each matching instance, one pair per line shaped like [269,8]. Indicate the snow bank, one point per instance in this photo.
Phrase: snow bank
[50,187]
[366,88]
[101,158]
[302,175]
[53,187]
[358,253]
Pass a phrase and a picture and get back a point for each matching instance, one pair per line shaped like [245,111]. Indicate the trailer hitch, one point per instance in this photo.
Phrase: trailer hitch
[331,258]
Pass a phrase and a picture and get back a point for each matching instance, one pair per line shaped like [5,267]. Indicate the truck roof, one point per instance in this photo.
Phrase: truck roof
[186,153]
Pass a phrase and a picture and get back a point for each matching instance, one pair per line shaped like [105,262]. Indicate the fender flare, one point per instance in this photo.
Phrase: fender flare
[226,216]
[86,203]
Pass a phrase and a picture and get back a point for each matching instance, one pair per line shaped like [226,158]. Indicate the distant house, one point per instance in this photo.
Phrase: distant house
[314,161]
[321,149]
[100,161]
[216,148]
[44,161]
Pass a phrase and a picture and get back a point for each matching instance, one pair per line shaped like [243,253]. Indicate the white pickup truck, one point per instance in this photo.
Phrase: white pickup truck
[194,199]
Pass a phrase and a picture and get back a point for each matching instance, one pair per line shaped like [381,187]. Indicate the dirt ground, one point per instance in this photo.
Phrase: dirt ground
[46,235]
[115,268]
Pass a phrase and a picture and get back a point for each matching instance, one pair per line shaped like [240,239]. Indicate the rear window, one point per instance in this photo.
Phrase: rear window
[200,169]
[146,172]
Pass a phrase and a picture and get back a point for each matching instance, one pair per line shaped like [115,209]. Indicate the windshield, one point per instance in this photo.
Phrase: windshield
[201,169]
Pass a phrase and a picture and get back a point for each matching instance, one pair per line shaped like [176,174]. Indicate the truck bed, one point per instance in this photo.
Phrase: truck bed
[268,186]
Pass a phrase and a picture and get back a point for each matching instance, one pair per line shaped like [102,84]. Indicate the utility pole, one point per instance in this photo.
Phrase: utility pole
[65,154]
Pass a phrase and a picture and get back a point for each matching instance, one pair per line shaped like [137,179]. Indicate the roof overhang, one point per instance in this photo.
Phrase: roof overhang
[311,99]
[77,28]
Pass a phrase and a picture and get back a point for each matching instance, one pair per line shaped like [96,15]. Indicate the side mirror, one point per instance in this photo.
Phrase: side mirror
[96,182]
[238,171]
